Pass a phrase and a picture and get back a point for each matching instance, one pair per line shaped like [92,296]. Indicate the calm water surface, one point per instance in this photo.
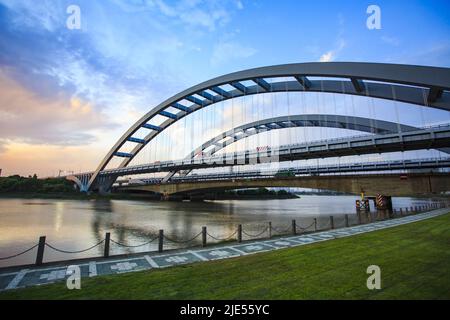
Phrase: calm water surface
[78,224]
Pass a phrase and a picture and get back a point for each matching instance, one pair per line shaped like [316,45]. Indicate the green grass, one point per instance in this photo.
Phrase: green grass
[414,261]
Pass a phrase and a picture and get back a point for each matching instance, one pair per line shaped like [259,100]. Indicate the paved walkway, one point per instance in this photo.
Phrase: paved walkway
[91,268]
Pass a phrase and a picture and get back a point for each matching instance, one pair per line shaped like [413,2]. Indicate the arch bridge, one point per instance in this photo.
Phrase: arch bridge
[418,85]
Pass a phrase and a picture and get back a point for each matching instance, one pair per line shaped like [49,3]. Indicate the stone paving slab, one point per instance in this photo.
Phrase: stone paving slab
[219,253]
[282,243]
[254,247]
[5,280]
[44,275]
[122,266]
[304,239]
[50,275]
[176,259]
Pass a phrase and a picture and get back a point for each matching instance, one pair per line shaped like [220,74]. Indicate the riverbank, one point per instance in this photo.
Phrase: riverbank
[76,196]
[252,194]
[413,259]
[130,196]
[60,188]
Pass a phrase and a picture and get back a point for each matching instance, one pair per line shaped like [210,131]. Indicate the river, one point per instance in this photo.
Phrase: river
[74,225]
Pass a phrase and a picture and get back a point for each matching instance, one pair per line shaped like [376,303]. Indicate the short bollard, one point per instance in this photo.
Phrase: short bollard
[401,212]
[315,224]
[331,222]
[270,229]
[406,211]
[359,218]
[160,240]
[346,221]
[107,241]
[240,233]
[203,236]
[294,228]
[40,251]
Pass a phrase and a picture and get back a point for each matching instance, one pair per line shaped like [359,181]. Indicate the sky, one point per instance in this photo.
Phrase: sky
[66,95]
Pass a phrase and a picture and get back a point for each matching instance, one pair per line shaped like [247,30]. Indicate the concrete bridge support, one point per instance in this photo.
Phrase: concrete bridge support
[417,184]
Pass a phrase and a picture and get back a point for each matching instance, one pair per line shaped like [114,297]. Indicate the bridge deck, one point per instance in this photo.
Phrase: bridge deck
[430,138]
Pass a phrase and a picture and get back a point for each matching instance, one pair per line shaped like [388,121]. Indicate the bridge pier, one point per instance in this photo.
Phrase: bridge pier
[197,198]
[172,197]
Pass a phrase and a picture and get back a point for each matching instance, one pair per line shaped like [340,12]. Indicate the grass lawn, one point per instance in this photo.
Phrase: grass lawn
[414,261]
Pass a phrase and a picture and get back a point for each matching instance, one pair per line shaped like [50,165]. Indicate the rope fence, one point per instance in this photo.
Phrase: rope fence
[133,246]
[306,228]
[76,251]
[255,235]
[281,231]
[362,217]
[20,253]
[223,239]
[183,241]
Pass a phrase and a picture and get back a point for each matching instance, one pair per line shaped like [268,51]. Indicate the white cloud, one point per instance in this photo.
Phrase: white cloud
[197,13]
[327,57]
[332,54]
[390,40]
[437,54]
[225,51]
[61,120]
[49,15]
